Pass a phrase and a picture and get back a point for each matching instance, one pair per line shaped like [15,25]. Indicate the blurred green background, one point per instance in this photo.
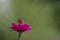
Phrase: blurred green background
[43,15]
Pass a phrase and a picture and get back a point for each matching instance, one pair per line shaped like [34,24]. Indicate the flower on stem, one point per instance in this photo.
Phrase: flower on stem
[20,26]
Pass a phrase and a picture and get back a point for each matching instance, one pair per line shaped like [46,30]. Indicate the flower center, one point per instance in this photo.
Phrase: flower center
[20,21]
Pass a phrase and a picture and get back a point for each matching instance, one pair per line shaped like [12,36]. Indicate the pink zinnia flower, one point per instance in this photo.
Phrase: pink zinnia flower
[20,26]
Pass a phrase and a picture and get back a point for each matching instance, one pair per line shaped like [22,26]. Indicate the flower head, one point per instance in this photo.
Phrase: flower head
[20,26]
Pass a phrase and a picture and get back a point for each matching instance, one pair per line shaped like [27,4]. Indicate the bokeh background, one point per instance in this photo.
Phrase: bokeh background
[43,15]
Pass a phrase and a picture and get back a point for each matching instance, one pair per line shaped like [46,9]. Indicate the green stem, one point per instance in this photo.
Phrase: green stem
[19,35]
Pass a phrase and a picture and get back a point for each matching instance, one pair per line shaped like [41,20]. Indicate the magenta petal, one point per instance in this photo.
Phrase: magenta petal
[20,25]
[26,25]
[29,28]
[14,25]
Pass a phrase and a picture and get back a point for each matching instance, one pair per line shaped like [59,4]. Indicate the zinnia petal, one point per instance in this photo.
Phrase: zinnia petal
[14,25]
